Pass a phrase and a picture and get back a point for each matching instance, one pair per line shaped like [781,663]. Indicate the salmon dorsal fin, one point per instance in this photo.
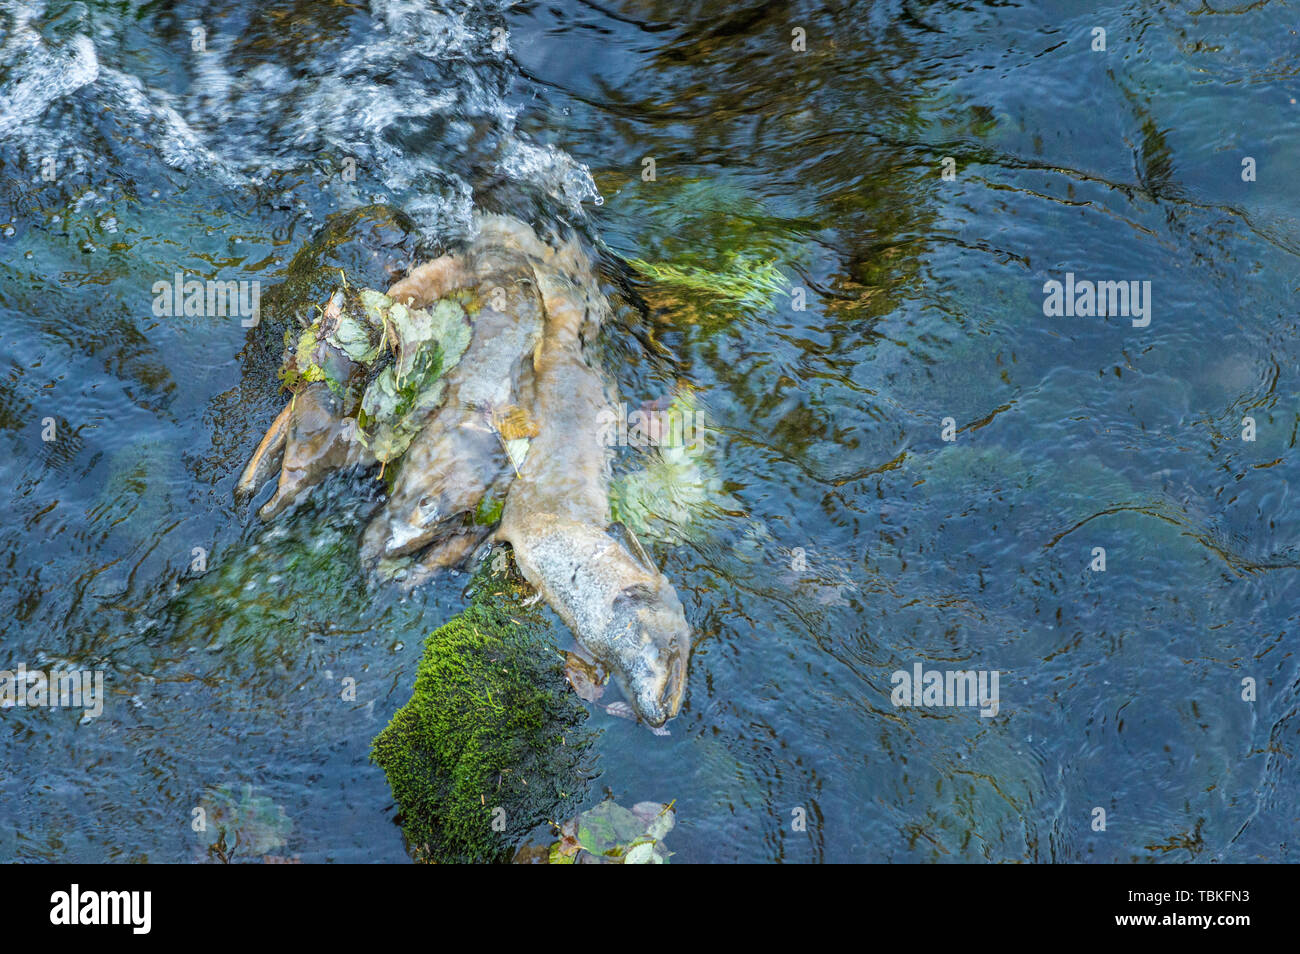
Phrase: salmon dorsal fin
[624,535]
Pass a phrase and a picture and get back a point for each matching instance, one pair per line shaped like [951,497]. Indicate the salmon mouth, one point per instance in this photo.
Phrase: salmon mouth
[404,539]
[385,538]
[659,700]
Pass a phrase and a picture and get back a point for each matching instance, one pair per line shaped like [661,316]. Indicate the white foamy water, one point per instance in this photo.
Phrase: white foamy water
[410,94]
[39,74]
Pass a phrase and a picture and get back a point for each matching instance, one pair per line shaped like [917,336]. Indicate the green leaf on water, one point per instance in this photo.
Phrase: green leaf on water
[450,327]
[353,339]
[612,834]
[396,410]
[375,305]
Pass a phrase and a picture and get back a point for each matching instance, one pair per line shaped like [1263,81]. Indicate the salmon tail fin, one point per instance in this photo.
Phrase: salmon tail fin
[265,461]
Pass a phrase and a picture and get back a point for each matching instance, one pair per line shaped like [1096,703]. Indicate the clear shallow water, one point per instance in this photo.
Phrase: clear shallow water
[1119,690]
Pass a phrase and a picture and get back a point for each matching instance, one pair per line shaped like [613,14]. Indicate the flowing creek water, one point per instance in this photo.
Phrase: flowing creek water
[278,142]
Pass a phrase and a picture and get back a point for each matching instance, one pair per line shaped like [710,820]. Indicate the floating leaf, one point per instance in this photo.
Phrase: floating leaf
[515,423]
[381,398]
[400,397]
[353,339]
[660,823]
[607,828]
[450,326]
[588,680]
[245,823]
[643,853]
[412,331]
[559,856]
[375,305]
[517,450]
[621,710]
[611,834]
[304,353]
[326,350]
[395,411]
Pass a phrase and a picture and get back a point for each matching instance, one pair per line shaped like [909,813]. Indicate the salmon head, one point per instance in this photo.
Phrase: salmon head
[647,648]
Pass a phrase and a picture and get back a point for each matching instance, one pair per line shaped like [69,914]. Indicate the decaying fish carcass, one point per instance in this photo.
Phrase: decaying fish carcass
[489,405]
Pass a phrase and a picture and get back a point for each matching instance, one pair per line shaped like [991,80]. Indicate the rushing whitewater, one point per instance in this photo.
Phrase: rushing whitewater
[324,112]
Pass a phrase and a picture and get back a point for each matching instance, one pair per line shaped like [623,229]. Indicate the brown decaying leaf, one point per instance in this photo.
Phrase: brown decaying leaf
[515,423]
[587,679]
[569,837]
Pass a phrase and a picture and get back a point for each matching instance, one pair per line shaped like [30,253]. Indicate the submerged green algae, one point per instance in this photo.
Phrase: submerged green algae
[263,598]
[672,492]
[670,497]
[740,279]
[712,250]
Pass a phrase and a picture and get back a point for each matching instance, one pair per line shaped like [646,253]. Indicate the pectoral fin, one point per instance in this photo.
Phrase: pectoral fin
[623,533]
[451,551]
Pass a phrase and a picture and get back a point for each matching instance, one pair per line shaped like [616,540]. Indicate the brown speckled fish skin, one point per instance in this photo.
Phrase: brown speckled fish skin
[556,517]
[449,466]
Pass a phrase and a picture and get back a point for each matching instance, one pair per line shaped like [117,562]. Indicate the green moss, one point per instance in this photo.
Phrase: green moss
[491,743]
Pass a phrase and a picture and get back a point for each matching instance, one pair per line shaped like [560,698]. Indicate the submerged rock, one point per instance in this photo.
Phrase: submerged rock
[491,744]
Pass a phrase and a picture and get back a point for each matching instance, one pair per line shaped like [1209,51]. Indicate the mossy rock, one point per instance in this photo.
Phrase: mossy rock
[491,744]
[368,244]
